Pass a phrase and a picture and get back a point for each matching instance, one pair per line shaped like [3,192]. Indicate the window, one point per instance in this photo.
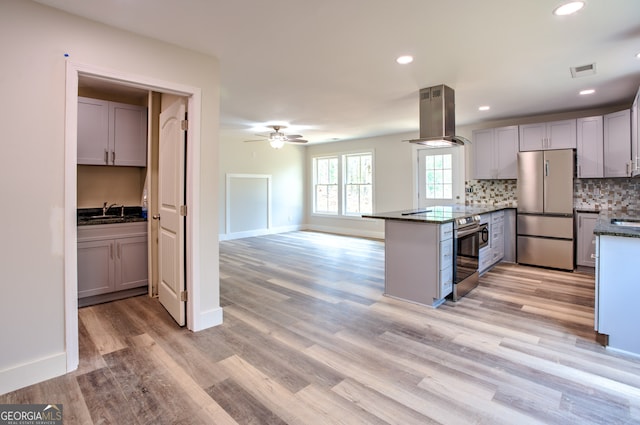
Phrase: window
[326,185]
[343,185]
[358,184]
[439,177]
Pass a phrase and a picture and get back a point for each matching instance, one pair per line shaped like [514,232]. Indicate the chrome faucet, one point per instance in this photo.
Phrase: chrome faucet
[105,208]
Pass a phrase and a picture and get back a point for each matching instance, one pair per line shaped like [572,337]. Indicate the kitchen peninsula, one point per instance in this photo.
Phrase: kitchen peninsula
[425,261]
[617,288]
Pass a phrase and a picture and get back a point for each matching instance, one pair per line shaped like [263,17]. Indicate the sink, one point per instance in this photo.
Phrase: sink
[625,223]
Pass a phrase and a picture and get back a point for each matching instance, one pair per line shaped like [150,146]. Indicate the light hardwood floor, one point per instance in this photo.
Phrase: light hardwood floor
[308,338]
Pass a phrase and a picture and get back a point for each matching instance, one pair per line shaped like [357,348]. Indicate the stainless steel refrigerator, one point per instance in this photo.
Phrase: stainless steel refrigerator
[545,208]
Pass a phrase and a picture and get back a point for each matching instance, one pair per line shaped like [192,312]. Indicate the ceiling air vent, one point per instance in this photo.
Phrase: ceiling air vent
[583,71]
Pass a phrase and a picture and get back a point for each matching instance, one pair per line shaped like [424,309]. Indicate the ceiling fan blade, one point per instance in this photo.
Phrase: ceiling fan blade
[298,141]
[293,136]
[259,140]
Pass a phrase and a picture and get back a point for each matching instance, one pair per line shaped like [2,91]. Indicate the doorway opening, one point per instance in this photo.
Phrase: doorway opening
[440,176]
[189,262]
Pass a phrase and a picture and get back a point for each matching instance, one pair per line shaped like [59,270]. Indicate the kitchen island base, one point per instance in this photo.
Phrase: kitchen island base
[418,261]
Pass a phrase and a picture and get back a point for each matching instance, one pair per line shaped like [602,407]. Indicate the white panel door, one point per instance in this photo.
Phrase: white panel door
[440,176]
[171,164]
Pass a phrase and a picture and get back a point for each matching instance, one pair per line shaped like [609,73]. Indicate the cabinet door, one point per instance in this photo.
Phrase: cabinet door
[93,131]
[497,236]
[131,262]
[586,240]
[128,135]
[95,268]
[561,135]
[532,137]
[635,140]
[617,144]
[483,154]
[590,147]
[506,152]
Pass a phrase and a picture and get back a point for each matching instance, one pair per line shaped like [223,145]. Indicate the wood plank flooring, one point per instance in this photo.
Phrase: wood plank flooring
[308,338]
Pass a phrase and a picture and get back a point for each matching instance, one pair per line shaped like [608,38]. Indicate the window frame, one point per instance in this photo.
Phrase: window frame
[315,185]
[345,183]
[342,158]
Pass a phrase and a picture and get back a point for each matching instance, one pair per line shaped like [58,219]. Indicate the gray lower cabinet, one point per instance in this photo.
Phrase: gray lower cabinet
[418,261]
[586,245]
[112,262]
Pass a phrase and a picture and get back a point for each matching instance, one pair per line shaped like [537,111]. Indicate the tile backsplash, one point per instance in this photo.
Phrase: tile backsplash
[494,192]
[620,194]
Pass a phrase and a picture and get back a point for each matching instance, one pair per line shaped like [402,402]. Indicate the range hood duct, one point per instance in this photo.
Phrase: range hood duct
[438,119]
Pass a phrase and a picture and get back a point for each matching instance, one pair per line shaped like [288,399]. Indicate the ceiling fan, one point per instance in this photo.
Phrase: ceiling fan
[277,139]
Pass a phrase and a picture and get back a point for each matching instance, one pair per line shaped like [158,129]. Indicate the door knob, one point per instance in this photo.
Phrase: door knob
[156,217]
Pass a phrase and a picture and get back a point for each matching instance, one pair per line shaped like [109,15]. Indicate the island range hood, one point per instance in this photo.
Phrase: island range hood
[437,118]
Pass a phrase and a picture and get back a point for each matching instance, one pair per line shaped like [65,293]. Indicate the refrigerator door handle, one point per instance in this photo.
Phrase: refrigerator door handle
[546,168]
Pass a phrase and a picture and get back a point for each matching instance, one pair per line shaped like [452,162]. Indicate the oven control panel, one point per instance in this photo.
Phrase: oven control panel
[466,221]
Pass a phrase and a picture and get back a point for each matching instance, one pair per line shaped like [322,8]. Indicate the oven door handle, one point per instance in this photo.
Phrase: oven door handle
[466,232]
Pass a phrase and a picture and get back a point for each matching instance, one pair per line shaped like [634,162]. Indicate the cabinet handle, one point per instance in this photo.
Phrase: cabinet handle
[119,249]
[579,170]
[113,157]
[111,250]
[106,157]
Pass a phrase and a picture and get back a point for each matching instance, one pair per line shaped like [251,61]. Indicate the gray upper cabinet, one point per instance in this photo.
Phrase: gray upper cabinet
[495,152]
[590,147]
[547,136]
[111,133]
[617,144]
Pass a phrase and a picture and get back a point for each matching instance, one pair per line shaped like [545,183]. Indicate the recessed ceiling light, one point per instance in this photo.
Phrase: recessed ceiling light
[638,55]
[484,108]
[568,8]
[588,91]
[403,60]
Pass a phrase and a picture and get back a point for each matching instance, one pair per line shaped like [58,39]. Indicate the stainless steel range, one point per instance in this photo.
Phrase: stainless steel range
[467,233]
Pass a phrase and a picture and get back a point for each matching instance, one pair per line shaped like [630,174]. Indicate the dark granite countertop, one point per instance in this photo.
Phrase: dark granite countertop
[93,216]
[437,215]
[605,227]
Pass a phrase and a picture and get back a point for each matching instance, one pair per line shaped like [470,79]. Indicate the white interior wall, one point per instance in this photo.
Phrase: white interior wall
[32,170]
[394,182]
[286,167]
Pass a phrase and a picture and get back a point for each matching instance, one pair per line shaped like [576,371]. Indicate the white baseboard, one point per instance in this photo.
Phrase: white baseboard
[258,232]
[33,372]
[347,231]
[209,319]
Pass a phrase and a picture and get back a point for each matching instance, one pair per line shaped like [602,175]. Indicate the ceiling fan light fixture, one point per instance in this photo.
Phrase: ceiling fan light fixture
[568,8]
[277,143]
[404,60]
